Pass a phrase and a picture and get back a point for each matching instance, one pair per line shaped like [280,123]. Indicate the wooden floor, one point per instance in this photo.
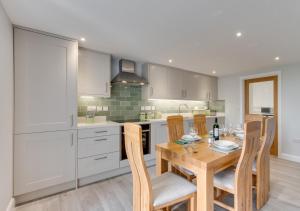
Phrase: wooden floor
[115,194]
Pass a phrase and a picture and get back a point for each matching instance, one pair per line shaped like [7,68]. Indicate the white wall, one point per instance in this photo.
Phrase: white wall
[230,91]
[6,109]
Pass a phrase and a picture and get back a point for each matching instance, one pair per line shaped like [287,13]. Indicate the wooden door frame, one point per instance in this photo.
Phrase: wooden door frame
[242,101]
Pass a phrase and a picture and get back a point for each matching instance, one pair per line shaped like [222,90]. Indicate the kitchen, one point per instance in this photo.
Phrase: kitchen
[69,98]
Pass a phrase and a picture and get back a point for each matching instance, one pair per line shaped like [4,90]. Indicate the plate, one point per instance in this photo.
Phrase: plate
[225,144]
[190,138]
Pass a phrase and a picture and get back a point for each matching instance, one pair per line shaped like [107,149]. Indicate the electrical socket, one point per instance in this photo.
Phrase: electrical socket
[142,108]
[99,108]
[105,108]
[148,108]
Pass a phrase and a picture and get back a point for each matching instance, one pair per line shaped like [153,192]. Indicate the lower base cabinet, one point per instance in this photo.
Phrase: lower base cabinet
[98,164]
[42,160]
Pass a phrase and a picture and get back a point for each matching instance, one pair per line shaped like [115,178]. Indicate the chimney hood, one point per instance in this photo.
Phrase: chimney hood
[127,74]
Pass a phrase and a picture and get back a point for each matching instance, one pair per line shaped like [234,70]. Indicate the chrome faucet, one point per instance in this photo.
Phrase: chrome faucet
[179,107]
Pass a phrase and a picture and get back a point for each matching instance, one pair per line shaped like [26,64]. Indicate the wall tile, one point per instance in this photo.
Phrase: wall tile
[126,101]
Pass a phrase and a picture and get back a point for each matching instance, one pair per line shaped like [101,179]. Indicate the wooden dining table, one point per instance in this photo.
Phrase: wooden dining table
[204,162]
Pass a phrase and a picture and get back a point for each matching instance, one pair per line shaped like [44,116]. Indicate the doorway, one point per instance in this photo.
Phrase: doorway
[261,98]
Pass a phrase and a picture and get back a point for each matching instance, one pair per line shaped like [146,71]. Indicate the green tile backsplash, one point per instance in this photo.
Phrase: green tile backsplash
[126,102]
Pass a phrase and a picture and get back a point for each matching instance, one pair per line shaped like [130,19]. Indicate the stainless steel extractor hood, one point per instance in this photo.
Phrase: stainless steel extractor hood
[127,74]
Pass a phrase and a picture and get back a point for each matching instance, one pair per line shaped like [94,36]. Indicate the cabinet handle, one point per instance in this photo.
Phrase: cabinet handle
[72,120]
[103,131]
[106,87]
[72,139]
[185,93]
[103,139]
[101,158]
[151,91]
[163,124]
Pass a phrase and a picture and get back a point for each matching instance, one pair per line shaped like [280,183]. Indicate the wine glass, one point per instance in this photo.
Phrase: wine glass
[193,131]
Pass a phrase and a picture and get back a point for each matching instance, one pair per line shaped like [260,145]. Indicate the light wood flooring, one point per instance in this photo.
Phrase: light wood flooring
[116,194]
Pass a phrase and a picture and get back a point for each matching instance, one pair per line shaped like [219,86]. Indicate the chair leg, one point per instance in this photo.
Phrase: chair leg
[192,203]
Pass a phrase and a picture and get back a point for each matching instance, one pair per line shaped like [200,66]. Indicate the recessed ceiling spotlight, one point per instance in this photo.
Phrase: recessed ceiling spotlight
[277,58]
[170,60]
[82,39]
[238,34]
[214,72]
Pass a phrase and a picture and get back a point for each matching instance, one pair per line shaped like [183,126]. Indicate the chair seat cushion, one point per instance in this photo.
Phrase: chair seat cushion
[169,187]
[225,179]
[254,166]
[186,171]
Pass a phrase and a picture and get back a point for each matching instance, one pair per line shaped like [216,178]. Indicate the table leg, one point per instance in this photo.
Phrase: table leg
[161,164]
[205,190]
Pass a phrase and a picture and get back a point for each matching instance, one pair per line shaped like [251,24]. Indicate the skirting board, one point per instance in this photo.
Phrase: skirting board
[289,157]
[11,205]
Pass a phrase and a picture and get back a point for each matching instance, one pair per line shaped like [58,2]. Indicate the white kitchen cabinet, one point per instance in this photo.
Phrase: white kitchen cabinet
[98,164]
[160,131]
[191,86]
[45,82]
[176,84]
[208,88]
[42,160]
[94,73]
[157,78]
[98,150]
[98,145]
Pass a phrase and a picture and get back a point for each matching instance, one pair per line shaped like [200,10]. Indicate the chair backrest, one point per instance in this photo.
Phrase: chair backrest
[200,124]
[257,117]
[175,127]
[142,188]
[263,157]
[243,174]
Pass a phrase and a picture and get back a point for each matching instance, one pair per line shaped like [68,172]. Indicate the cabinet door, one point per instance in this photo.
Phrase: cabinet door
[175,89]
[161,132]
[94,73]
[191,86]
[209,87]
[158,77]
[45,82]
[43,160]
[204,82]
[213,88]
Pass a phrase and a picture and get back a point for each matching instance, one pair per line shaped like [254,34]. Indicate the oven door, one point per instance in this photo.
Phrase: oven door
[146,141]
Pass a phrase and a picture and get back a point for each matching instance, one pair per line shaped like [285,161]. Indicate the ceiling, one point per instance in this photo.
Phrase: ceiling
[198,35]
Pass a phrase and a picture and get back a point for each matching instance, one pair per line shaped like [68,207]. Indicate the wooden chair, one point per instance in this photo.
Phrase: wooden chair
[161,192]
[200,124]
[175,127]
[176,131]
[257,117]
[239,181]
[261,166]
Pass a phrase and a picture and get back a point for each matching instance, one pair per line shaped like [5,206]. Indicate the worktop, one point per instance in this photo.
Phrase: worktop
[112,123]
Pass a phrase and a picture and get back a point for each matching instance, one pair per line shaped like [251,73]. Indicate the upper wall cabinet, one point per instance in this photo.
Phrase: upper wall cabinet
[45,82]
[172,83]
[157,77]
[94,73]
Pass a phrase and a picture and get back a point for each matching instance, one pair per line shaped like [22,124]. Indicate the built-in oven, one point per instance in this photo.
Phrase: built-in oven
[146,140]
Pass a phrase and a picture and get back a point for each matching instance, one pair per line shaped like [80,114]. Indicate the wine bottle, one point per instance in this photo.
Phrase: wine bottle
[216,130]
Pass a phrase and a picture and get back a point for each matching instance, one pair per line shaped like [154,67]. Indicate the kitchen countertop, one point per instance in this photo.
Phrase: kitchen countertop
[111,123]
[96,124]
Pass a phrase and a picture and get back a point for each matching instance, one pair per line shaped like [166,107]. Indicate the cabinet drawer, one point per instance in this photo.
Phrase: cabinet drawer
[100,131]
[98,145]
[97,164]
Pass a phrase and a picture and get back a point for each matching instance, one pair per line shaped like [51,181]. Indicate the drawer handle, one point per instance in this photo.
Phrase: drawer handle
[103,139]
[101,158]
[103,131]
[163,124]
